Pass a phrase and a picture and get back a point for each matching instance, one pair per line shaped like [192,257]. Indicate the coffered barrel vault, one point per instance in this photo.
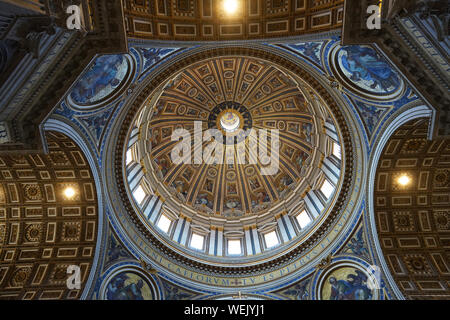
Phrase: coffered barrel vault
[412,202]
[207,20]
[48,221]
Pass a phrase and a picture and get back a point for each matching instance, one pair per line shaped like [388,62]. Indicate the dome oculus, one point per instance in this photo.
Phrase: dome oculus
[230,121]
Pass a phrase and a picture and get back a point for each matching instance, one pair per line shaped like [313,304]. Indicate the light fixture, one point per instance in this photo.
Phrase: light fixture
[404,180]
[69,192]
[230,6]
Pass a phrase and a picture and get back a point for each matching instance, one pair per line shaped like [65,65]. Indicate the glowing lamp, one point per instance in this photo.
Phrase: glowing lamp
[69,192]
[230,6]
[404,180]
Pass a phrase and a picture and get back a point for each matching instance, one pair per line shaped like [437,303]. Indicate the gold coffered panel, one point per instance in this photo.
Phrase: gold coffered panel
[42,231]
[206,20]
[412,211]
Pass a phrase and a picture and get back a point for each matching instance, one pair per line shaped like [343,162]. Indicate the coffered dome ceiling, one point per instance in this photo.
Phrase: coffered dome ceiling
[209,206]
[260,97]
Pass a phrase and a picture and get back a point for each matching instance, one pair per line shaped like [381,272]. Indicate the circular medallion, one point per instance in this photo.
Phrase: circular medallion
[346,283]
[363,70]
[208,79]
[231,175]
[228,74]
[248,77]
[192,92]
[102,82]
[277,106]
[212,172]
[249,171]
[348,278]
[129,284]
[181,110]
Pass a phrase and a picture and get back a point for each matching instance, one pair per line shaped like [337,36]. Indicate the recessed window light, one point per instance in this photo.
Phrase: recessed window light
[303,219]
[164,223]
[129,157]
[327,189]
[139,194]
[337,150]
[234,247]
[271,239]
[197,241]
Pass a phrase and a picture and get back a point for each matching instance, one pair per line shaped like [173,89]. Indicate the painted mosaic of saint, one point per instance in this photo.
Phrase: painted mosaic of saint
[128,286]
[352,287]
[101,79]
[368,69]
